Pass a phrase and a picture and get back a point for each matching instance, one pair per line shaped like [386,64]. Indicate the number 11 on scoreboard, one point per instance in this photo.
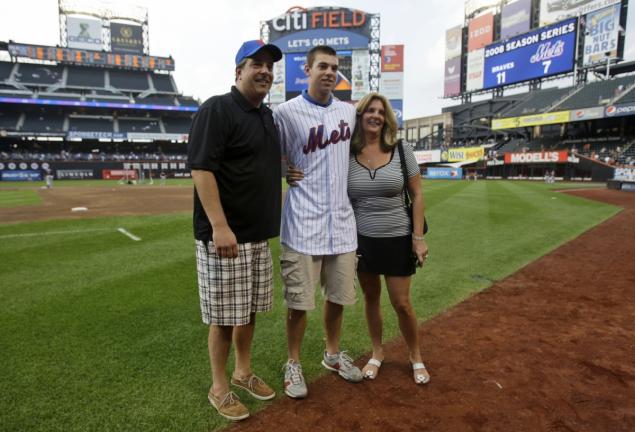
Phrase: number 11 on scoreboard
[500,78]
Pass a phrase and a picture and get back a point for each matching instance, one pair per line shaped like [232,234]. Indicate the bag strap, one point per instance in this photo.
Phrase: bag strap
[404,171]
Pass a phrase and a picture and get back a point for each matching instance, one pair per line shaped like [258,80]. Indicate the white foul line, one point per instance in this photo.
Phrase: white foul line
[126,233]
[52,233]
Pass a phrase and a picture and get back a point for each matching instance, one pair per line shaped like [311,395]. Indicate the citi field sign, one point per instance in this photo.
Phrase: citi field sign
[300,29]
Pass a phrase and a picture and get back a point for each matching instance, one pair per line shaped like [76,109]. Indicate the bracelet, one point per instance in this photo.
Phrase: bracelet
[417,237]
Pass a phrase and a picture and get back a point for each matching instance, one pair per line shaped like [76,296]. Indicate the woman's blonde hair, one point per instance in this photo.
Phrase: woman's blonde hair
[389,131]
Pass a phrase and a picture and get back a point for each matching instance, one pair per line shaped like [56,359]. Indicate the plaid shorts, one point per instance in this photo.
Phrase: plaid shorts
[231,289]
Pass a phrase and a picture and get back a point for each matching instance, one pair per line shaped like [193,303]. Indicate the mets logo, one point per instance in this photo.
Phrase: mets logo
[611,110]
[317,139]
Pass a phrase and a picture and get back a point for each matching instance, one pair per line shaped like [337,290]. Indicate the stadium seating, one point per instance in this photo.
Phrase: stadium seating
[536,102]
[597,93]
[42,120]
[85,77]
[139,125]
[128,80]
[176,124]
[90,124]
[38,74]
[163,83]
[5,70]
[9,120]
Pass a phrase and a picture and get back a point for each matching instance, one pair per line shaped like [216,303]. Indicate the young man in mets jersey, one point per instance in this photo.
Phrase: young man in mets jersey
[318,226]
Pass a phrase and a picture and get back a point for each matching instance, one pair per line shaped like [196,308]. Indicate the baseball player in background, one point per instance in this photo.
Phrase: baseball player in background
[318,225]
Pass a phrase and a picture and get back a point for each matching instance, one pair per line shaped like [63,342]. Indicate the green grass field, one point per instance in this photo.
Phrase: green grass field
[99,332]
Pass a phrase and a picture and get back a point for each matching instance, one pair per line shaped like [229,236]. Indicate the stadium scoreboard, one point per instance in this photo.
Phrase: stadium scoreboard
[537,54]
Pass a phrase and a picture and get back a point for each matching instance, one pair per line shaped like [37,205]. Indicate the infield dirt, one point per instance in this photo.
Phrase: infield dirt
[549,348]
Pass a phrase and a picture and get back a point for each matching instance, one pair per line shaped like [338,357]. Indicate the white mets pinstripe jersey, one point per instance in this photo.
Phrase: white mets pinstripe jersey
[317,216]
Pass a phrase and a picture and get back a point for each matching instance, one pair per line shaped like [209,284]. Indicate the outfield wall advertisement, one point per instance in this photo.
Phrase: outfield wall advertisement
[463,154]
[540,53]
[427,156]
[444,173]
[538,157]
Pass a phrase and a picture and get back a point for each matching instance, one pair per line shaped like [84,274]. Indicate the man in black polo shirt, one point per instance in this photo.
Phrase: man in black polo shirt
[234,155]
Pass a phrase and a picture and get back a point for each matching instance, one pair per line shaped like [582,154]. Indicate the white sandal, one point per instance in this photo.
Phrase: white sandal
[369,373]
[420,378]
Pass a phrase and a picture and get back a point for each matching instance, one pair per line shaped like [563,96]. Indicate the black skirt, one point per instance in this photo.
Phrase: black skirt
[390,256]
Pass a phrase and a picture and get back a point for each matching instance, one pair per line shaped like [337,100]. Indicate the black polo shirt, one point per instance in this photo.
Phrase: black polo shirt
[239,144]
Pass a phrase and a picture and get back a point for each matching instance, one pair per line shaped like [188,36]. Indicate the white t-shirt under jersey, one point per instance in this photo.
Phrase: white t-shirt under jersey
[317,216]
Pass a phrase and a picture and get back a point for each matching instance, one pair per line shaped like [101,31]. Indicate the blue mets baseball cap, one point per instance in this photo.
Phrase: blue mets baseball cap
[250,48]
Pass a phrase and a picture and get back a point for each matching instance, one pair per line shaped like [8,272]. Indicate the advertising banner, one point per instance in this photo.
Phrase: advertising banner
[480,32]
[556,10]
[452,79]
[397,106]
[74,174]
[427,156]
[620,110]
[83,33]
[475,64]
[505,123]
[601,35]
[392,58]
[21,175]
[544,119]
[515,18]
[360,74]
[539,157]
[391,85]
[295,78]
[453,42]
[118,174]
[126,38]
[444,173]
[465,154]
[277,94]
[543,52]
[300,29]
[586,114]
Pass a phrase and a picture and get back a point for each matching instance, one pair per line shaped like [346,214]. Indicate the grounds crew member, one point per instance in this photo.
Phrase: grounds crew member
[318,233]
[234,155]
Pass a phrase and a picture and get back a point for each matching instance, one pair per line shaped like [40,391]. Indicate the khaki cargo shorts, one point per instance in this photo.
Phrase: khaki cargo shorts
[301,273]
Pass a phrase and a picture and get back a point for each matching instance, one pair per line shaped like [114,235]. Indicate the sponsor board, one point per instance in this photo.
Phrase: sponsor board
[452,79]
[540,53]
[444,173]
[601,35]
[586,114]
[83,33]
[505,123]
[544,119]
[391,85]
[392,58]
[110,174]
[277,94]
[397,106]
[480,31]
[126,38]
[156,136]
[453,41]
[360,74]
[300,29]
[427,156]
[475,63]
[495,162]
[21,175]
[465,154]
[537,157]
[620,110]
[556,10]
[515,18]
[74,174]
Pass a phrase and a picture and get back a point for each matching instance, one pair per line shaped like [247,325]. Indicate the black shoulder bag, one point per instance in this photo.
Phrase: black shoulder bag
[408,203]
